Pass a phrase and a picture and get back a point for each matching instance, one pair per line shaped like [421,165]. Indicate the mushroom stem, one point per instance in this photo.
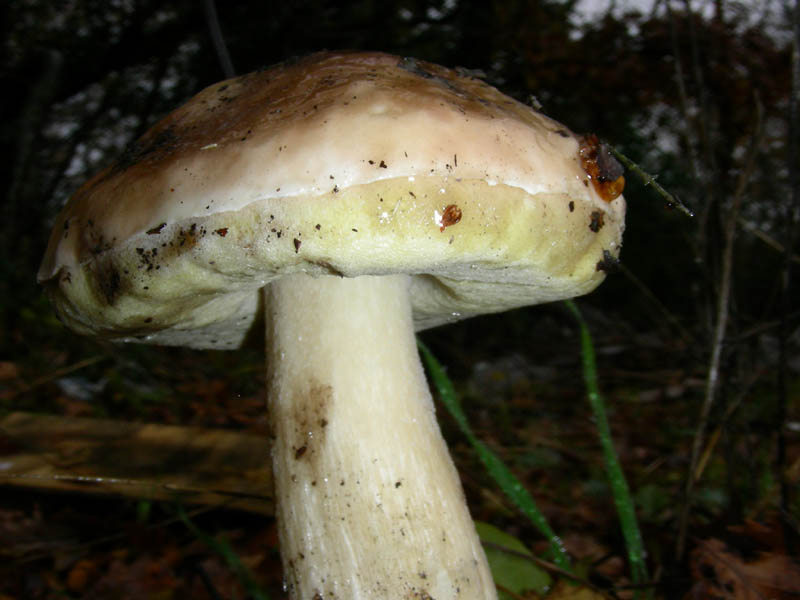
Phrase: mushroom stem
[369,504]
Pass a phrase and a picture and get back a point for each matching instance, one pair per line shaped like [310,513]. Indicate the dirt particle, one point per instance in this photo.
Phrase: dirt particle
[450,216]
[305,434]
[109,281]
[597,220]
[608,263]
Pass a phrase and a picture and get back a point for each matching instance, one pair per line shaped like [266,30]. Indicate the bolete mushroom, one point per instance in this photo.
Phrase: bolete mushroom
[362,196]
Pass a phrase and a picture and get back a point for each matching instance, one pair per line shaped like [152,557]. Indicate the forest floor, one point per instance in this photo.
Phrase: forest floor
[524,395]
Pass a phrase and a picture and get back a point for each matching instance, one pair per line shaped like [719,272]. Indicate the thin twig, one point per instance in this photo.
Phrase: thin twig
[648,179]
[722,314]
[768,239]
[57,374]
[791,221]
[144,484]
[706,123]
[214,29]
[684,333]
[723,422]
[680,81]
[71,546]
[788,324]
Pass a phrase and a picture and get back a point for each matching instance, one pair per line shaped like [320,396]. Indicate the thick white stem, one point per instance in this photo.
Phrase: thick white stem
[369,504]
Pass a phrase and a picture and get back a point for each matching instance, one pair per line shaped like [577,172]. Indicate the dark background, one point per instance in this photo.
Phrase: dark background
[697,93]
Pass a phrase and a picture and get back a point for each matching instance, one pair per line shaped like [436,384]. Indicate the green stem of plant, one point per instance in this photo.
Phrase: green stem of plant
[619,486]
[501,474]
[223,549]
[672,201]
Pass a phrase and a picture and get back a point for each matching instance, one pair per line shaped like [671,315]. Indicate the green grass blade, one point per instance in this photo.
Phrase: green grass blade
[616,478]
[502,475]
[223,549]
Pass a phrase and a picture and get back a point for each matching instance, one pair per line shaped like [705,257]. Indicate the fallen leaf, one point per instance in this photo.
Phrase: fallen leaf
[567,591]
[8,370]
[81,574]
[720,572]
[510,564]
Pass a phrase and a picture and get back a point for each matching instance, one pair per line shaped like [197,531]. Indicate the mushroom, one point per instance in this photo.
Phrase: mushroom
[361,197]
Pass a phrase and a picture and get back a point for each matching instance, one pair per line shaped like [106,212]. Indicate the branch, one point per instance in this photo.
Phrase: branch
[212,20]
[648,179]
[720,325]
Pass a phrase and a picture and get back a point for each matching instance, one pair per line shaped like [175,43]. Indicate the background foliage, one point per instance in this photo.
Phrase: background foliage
[697,334]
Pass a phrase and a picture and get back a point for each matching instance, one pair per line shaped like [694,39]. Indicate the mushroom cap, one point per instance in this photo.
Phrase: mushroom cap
[343,163]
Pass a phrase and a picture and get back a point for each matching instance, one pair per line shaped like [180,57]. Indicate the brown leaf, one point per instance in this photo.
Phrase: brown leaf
[8,370]
[81,574]
[146,577]
[567,591]
[720,572]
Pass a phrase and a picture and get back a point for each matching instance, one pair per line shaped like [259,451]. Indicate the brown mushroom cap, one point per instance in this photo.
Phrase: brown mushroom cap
[339,163]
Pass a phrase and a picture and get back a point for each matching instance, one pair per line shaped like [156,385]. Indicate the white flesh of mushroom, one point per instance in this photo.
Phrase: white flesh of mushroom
[369,504]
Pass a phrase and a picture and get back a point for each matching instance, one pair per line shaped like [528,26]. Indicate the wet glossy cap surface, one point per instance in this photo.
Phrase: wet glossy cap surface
[339,163]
